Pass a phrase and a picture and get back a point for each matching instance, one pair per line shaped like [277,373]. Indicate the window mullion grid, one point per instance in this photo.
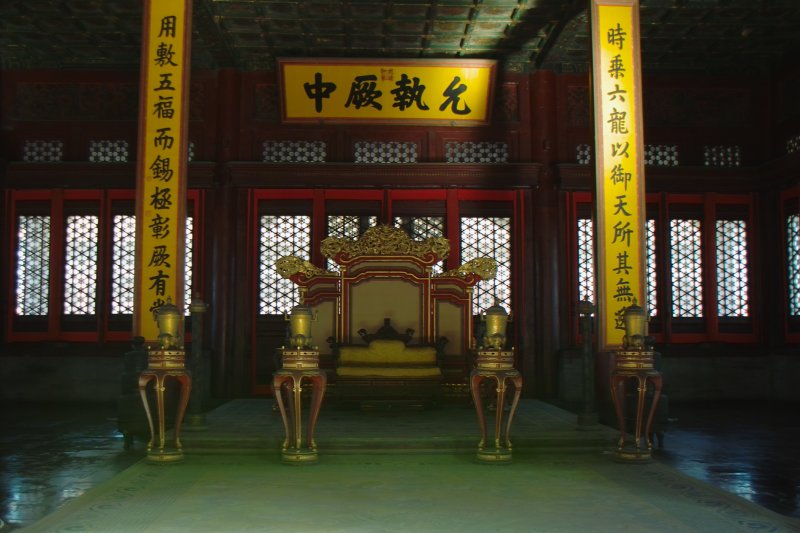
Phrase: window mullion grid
[662,320]
[792,279]
[57,256]
[733,289]
[32,268]
[82,237]
[279,236]
[684,254]
[122,259]
[492,238]
[188,271]
[585,258]
[651,265]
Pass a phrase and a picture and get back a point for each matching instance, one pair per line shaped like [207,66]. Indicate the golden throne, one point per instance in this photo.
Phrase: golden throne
[385,283]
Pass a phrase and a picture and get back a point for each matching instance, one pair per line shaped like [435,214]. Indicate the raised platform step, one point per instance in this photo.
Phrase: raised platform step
[254,426]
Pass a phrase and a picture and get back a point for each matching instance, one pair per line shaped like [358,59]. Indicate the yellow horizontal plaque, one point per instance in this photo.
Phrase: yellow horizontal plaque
[387,91]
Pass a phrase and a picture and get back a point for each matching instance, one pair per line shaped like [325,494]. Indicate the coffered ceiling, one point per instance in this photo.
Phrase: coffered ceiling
[717,36]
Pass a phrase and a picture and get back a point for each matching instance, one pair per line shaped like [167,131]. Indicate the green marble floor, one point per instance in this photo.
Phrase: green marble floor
[382,493]
[399,471]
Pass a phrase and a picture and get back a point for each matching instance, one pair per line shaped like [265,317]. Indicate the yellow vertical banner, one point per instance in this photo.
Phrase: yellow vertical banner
[162,160]
[619,145]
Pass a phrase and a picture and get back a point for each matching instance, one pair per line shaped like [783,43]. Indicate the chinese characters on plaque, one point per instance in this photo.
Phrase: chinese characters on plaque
[387,91]
[620,176]
[162,162]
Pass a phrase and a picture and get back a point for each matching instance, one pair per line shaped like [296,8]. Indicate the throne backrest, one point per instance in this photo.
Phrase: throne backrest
[385,275]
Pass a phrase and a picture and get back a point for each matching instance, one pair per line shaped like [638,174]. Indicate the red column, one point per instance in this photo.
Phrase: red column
[546,286]
[222,207]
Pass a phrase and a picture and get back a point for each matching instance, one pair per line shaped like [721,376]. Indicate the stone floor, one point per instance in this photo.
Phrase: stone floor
[52,455]
[747,449]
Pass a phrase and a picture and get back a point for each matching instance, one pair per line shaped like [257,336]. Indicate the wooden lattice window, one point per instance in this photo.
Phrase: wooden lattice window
[385,152]
[80,265]
[696,265]
[33,265]
[489,237]
[476,152]
[686,267]
[123,261]
[652,268]
[74,270]
[188,270]
[279,236]
[585,260]
[732,268]
[793,263]
[108,151]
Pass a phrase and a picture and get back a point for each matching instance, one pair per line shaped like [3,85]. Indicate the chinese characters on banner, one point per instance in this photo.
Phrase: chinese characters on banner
[620,168]
[386,91]
[161,166]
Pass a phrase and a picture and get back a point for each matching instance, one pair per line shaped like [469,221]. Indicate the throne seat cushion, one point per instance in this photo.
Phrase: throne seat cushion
[389,371]
[387,352]
[388,359]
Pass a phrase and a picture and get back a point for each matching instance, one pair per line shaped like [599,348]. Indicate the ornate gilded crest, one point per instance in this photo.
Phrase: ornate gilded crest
[385,240]
[484,267]
[290,265]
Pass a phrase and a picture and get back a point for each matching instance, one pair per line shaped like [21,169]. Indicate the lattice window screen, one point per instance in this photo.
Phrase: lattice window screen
[43,151]
[586,260]
[722,156]
[123,260]
[280,236]
[583,154]
[421,228]
[489,237]
[294,151]
[586,279]
[385,152]
[188,265]
[793,263]
[108,151]
[33,265]
[80,265]
[793,144]
[661,155]
[686,269]
[347,227]
[652,278]
[732,271]
[476,152]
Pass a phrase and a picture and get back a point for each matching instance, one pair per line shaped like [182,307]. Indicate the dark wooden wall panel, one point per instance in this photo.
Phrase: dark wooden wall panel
[542,117]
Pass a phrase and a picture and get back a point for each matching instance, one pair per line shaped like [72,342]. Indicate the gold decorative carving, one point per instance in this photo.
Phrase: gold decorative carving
[290,265]
[485,267]
[385,240]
